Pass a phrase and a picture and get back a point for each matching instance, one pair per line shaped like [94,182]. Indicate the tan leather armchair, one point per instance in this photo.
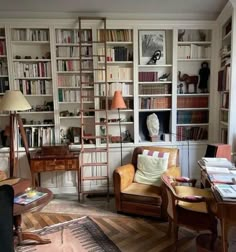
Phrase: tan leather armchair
[142,199]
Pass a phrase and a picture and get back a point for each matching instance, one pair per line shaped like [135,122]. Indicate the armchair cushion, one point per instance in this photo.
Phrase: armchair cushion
[150,169]
[142,193]
[186,191]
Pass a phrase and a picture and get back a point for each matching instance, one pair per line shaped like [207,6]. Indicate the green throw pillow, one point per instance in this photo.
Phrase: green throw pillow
[150,169]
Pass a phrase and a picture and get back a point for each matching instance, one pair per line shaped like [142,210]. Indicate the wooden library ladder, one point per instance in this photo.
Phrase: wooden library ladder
[94,161]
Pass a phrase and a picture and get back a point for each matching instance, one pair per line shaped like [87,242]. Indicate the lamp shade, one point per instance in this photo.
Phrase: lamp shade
[14,100]
[118,101]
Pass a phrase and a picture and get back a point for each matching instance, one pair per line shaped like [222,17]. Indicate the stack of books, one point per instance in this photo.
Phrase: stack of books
[227,192]
[215,162]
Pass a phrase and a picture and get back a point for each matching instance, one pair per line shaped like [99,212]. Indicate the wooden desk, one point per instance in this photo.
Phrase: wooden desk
[40,162]
[225,209]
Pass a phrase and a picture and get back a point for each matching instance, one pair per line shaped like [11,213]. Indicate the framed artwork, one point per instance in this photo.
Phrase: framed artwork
[152,47]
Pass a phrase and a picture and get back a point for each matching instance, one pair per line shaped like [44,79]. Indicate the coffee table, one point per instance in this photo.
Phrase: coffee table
[36,205]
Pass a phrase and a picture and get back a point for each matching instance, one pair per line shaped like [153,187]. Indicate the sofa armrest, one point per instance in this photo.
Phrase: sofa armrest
[173,171]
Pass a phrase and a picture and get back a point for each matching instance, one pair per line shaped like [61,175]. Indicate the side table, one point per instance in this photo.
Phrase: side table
[36,205]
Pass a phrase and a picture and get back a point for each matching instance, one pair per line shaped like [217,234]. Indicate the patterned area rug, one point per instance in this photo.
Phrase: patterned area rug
[81,234]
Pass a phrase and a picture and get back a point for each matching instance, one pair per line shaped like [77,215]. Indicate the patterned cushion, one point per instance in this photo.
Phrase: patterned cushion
[156,153]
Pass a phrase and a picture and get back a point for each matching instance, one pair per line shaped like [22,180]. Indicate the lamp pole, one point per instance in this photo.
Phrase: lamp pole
[121,159]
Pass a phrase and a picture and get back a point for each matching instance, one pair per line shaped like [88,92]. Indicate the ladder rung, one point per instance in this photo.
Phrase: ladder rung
[94,164]
[95,178]
[89,150]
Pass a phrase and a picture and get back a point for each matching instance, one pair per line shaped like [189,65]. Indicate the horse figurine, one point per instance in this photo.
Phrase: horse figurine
[189,80]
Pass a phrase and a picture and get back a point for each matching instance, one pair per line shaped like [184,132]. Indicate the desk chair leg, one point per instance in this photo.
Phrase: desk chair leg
[169,227]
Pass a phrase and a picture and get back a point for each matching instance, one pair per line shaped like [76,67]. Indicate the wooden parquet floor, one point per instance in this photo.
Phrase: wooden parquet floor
[130,234]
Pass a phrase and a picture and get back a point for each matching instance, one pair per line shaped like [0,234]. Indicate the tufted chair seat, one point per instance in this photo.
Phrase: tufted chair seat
[138,198]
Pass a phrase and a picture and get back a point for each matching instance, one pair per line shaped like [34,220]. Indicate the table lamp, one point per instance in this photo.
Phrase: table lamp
[118,103]
[14,101]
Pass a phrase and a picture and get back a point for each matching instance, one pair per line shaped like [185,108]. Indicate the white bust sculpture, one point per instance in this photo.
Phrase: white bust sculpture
[153,125]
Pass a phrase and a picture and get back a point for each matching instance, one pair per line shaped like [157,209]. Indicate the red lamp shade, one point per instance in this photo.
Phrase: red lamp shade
[118,101]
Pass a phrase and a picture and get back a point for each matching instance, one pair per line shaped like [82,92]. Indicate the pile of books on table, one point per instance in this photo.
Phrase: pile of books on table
[222,175]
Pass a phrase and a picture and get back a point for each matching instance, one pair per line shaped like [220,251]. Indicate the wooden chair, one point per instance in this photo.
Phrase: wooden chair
[189,206]
[6,218]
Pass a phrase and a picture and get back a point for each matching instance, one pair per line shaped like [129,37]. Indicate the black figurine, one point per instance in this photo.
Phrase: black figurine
[204,73]
[156,56]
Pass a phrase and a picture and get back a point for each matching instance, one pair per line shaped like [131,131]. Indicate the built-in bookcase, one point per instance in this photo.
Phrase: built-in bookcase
[68,65]
[119,56]
[32,74]
[224,79]
[193,82]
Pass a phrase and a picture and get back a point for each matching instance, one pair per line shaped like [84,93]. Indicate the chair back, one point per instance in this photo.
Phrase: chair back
[173,154]
[168,184]
[6,218]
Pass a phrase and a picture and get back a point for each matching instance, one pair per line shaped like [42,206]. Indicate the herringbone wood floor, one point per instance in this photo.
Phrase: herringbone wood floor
[131,234]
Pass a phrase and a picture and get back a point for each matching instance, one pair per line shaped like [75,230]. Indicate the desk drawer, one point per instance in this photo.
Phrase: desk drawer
[51,165]
[71,164]
[37,165]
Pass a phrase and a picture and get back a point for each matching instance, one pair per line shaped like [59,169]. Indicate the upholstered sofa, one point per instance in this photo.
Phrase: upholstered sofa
[138,198]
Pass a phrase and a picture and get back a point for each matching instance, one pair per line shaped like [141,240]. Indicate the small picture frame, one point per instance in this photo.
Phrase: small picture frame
[151,42]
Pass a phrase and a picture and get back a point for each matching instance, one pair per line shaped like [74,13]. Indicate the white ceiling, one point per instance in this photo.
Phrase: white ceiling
[148,9]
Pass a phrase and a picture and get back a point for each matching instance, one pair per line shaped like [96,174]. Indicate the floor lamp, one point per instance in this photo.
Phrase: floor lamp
[118,103]
[14,101]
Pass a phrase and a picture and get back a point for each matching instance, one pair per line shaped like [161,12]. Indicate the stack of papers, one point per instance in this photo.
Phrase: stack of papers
[216,162]
[227,192]
[225,178]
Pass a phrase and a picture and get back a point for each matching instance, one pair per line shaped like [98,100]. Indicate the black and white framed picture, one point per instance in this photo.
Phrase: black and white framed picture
[152,49]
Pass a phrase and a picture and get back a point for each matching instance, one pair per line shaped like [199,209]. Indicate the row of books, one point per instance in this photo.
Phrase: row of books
[115,35]
[148,76]
[74,80]
[73,51]
[39,69]
[155,103]
[117,53]
[74,65]
[38,136]
[115,73]
[192,116]
[194,51]
[69,95]
[34,87]
[3,47]
[225,100]
[68,36]
[3,67]
[224,78]
[126,88]
[30,35]
[4,85]
[155,89]
[191,133]
[192,102]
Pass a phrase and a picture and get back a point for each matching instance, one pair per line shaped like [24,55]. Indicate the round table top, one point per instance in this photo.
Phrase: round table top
[35,205]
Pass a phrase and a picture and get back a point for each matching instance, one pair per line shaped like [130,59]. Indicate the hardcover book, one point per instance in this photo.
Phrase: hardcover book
[24,199]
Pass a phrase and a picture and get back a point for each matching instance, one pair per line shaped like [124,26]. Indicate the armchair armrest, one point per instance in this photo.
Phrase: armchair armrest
[123,176]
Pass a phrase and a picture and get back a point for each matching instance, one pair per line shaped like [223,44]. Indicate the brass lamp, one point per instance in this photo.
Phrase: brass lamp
[14,101]
[118,103]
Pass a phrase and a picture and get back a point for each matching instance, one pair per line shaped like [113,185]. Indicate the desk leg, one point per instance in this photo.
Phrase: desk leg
[224,234]
[22,236]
